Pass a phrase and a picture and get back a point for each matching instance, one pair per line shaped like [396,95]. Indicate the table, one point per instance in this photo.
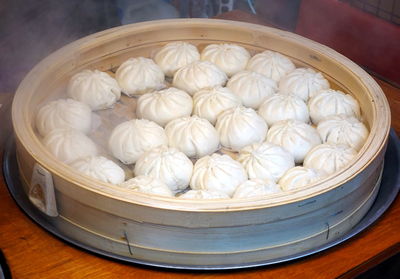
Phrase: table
[31,252]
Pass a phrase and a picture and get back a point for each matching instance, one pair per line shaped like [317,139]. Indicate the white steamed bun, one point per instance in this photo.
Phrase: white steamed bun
[208,103]
[265,161]
[303,82]
[193,135]
[94,88]
[101,168]
[198,75]
[342,129]
[217,173]
[299,177]
[256,188]
[68,145]
[329,158]
[283,107]
[148,185]
[176,55]
[230,58]
[130,139]
[271,64]
[331,102]
[240,126]
[167,164]
[252,88]
[164,105]
[139,75]
[295,136]
[64,113]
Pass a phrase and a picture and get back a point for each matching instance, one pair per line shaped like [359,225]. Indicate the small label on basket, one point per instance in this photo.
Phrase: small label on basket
[41,192]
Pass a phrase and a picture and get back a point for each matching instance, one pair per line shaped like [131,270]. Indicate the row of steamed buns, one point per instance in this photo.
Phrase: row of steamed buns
[263,113]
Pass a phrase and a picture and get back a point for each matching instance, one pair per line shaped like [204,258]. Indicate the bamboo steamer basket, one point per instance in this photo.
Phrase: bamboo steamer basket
[196,233]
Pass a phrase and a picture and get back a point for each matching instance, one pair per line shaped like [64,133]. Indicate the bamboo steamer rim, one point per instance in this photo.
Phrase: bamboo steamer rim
[375,144]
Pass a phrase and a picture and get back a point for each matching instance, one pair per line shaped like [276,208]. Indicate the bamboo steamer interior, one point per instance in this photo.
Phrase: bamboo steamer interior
[198,233]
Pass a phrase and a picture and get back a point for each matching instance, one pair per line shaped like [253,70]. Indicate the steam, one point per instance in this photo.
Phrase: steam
[33,29]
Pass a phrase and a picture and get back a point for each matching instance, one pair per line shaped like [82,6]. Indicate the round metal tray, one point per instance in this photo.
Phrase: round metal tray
[387,193]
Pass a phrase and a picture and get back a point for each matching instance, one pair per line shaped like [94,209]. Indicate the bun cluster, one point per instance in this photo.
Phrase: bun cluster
[215,123]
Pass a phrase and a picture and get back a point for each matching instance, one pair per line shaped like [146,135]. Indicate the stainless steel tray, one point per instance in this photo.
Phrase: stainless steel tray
[388,191]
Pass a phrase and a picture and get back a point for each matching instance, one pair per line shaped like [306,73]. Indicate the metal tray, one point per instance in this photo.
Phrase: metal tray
[388,191]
